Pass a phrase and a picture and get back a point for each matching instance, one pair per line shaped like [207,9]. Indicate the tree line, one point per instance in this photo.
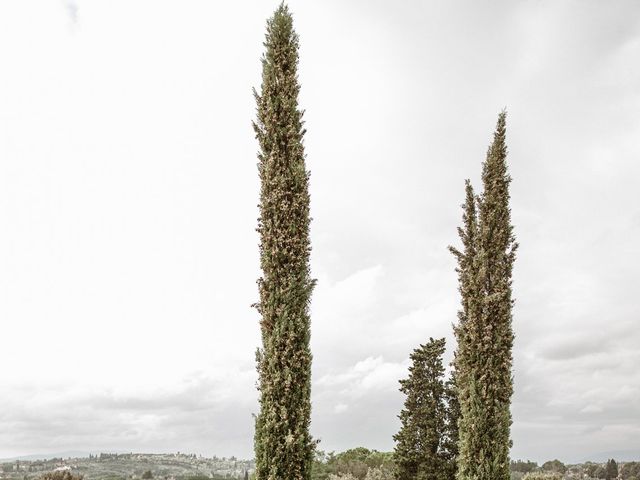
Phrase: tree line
[364,464]
[353,464]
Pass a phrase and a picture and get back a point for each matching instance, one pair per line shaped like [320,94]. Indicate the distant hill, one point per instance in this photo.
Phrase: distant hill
[47,456]
[127,466]
[617,455]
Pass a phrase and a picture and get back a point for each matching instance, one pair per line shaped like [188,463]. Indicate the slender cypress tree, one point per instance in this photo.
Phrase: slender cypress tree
[283,445]
[496,255]
[467,280]
[483,360]
[420,443]
[466,332]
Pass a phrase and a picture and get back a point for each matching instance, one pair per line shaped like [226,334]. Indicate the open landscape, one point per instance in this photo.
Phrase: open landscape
[123,466]
[324,240]
[359,463]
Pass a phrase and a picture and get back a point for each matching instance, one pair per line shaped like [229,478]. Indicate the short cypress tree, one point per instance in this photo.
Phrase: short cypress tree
[420,443]
[282,442]
[485,337]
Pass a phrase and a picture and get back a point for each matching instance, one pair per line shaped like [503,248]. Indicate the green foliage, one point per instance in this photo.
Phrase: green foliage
[320,470]
[355,462]
[630,471]
[342,476]
[554,466]
[591,469]
[358,461]
[283,445]
[61,475]
[611,469]
[451,437]
[522,466]
[147,475]
[464,356]
[371,458]
[483,360]
[421,444]
[379,473]
[542,476]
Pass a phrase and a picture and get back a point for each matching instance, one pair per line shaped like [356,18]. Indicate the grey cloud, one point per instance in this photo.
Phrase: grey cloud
[575,349]
[192,418]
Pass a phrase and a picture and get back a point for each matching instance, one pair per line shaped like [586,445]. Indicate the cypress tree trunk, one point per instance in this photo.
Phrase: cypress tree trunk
[420,451]
[283,445]
[485,335]
[452,439]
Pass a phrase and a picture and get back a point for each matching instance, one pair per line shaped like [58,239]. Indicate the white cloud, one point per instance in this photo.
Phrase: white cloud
[367,375]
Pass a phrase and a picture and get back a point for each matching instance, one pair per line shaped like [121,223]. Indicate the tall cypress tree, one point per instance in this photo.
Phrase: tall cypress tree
[483,360]
[283,445]
[420,451]
[496,256]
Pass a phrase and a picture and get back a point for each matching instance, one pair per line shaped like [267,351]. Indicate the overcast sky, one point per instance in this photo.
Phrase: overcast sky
[128,206]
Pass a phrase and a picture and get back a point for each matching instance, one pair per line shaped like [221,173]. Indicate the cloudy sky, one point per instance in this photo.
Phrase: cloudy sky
[128,193]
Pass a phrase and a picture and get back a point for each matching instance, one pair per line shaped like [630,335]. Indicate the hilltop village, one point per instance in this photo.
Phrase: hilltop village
[132,466]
